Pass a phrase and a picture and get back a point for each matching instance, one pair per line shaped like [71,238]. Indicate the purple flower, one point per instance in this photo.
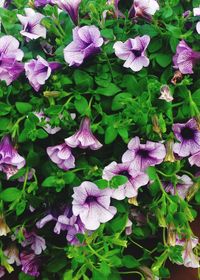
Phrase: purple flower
[182,187]
[195,159]
[30,263]
[128,229]
[32,29]
[31,173]
[62,156]
[10,160]
[142,156]
[37,242]
[133,51]
[84,138]
[196,12]
[115,3]
[2,271]
[185,58]
[10,55]
[144,8]
[47,127]
[165,93]
[136,179]
[71,7]
[5,3]
[42,3]
[92,205]
[86,42]
[38,71]
[188,136]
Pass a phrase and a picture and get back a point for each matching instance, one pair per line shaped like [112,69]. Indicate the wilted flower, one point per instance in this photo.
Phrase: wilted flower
[182,187]
[143,8]
[189,258]
[32,29]
[188,136]
[136,179]
[165,93]
[38,71]
[2,271]
[133,51]
[10,160]
[169,151]
[92,205]
[142,156]
[12,254]
[128,229]
[185,58]
[4,229]
[71,7]
[83,138]
[37,242]
[178,76]
[30,263]
[87,41]
[62,156]
[10,55]
[196,12]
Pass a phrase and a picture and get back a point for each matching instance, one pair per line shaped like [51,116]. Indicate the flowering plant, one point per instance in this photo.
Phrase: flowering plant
[99,138]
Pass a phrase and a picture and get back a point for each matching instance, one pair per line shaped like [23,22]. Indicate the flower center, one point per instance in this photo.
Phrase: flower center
[90,199]
[143,153]
[124,173]
[137,53]
[1,156]
[187,133]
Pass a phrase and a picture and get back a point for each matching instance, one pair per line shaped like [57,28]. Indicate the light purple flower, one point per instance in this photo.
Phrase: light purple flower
[185,58]
[62,156]
[136,179]
[10,160]
[47,127]
[195,159]
[188,135]
[37,242]
[144,8]
[182,187]
[42,3]
[128,229]
[196,12]
[38,71]
[83,138]
[189,258]
[92,205]
[133,51]
[30,263]
[142,156]
[10,57]
[12,254]
[115,3]
[2,271]
[71,7]
[165,93]
[32,29]
[87,41]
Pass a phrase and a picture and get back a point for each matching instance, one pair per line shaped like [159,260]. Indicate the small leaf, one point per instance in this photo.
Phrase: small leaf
[10,194]
[23,107]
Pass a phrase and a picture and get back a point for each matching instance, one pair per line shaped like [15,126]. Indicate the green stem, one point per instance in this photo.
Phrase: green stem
[138,245]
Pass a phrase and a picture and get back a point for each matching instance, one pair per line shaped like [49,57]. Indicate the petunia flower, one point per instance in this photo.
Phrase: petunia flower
[144,8]
[84,137]
[133,51]
[38,71]
[38,243]
[71,7]
[142,156]
[115,4]
[195,159]
[47,127]
[196,12]
[92,205]
[136,179]
[182,187]
[87,41]
[10,59]
[10,160]
[166,94]
[185,58]
[188,135]
[30,263]
[128,229]
[32,29]
[12,254]
[62,156]
[42,3]
[49,218]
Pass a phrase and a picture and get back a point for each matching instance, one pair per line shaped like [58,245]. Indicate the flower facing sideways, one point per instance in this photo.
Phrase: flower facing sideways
[144,8]
[71,7]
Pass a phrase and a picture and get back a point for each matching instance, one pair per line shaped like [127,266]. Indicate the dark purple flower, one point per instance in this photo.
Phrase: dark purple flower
[10,57]
[133,51]
[87,41]
[182,187]
[62,156]
[32,29]
[188,135]
[71,7]
[38,71]
[83,138]
[30,263]
[37,242]
[136,179]
[142,156]
[143,8]
[42,3]
[5,3]
[185,58]
[10,160]
[92,205]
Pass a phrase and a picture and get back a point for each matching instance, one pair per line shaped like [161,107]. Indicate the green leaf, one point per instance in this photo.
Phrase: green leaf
[4,109]
[110,90]
[107,33]
[69,177]
[110,134]
[117,181]
[102,184]
[130,262]
[20,208]
[50,181]
[10,194]
[81,104]
[4,122]
[151,171]
[163,59]
[23,107]
[83,80]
